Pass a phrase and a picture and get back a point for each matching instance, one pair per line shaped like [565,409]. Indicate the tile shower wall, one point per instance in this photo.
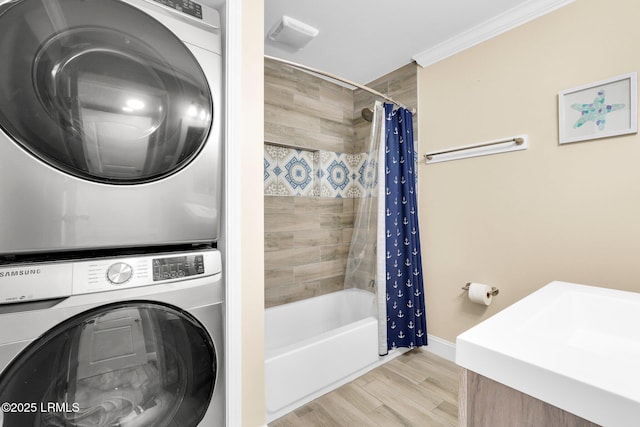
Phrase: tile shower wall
[306,236]
[306,246]
[313,177]
[305,111]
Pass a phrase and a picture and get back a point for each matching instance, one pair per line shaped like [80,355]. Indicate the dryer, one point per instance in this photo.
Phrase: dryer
[110,124]
[125,341]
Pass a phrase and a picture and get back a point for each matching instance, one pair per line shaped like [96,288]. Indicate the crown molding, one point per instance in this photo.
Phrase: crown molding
[502,23]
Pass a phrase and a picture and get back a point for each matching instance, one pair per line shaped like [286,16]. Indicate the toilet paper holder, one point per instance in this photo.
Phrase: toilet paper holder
[494,291]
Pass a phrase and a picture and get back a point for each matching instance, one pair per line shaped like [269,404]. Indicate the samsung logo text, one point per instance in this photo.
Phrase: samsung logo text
[22,272]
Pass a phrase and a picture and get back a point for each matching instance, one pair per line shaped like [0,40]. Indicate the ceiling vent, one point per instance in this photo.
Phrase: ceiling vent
[293,33]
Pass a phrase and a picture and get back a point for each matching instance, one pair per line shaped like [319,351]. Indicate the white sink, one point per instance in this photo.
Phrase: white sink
[573,346]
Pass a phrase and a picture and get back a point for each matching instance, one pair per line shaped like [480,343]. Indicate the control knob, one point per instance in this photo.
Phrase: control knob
[119,273]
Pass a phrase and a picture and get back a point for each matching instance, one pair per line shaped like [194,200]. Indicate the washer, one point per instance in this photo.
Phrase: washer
[110,124]
[126,341]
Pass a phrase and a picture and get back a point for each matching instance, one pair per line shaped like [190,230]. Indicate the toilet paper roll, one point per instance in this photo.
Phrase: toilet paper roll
[480,294]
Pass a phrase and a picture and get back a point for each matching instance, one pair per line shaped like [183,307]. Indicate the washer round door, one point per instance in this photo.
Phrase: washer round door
[100,90]
[127,364]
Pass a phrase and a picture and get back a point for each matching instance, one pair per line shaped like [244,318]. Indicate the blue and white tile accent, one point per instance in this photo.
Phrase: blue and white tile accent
[337,177]
[288,172]
[298,172]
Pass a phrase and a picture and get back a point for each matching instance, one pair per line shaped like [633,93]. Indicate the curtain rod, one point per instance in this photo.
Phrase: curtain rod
[334,77]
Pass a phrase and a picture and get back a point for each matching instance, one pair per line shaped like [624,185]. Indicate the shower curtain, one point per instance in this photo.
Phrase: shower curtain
[362,265]
[385,247]
[406,324]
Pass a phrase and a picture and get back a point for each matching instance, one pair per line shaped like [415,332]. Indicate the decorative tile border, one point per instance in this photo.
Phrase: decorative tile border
[317,173]
[299,172]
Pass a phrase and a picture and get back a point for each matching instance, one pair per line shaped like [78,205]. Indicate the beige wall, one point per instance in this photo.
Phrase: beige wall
[520,220]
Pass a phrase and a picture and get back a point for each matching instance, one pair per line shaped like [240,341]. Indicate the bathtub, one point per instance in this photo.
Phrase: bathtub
[573,346]
[315,345]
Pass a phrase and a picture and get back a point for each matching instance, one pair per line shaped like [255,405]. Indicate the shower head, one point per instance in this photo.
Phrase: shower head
[367,114]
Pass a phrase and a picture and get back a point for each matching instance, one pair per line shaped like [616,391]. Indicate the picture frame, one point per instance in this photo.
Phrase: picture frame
[599,110]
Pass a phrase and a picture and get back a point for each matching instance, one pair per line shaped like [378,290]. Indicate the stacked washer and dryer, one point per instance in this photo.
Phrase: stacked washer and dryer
[111,289]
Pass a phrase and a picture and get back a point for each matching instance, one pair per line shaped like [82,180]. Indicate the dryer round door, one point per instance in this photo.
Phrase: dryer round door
[100,90]
[127,364]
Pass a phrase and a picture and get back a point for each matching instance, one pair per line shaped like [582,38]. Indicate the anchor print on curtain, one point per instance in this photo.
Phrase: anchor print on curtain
[406,324]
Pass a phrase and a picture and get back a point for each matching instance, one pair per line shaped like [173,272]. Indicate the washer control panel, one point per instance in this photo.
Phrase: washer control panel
[37,281]
[121,273]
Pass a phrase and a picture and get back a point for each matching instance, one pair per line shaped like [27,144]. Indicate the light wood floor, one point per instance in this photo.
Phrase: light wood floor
[417,389]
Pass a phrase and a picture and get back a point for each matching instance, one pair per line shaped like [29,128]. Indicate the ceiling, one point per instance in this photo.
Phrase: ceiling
[362,40]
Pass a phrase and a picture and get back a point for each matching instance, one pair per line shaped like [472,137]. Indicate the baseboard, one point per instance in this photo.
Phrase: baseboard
[440,347]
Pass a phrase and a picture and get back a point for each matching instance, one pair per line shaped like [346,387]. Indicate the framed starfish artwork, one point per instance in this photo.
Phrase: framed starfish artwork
[599,110]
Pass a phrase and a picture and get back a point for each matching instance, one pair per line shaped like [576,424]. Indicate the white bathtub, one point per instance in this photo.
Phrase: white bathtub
[576,347]
[315,345]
